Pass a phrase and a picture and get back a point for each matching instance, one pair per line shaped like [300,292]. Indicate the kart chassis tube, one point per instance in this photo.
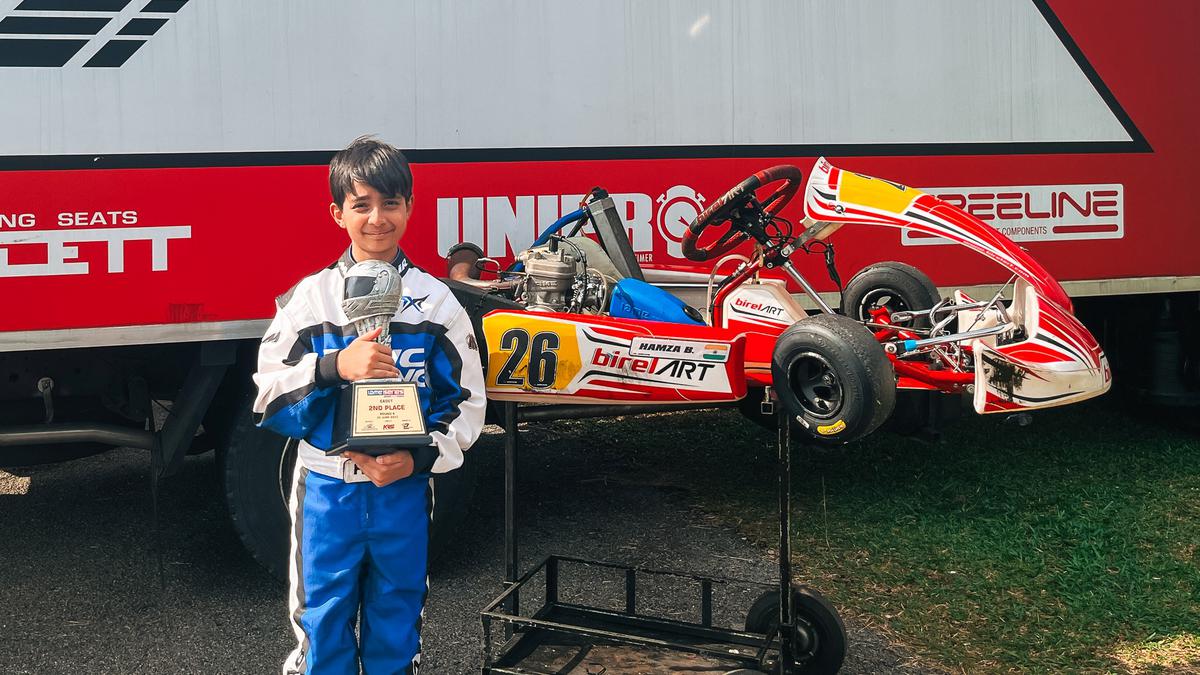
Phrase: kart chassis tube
[936,378]
[906,346]
[567,411]
[510,597]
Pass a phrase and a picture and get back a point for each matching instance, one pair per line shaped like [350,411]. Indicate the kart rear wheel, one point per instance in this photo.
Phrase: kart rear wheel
[833,378]
[820,637]
[893,285]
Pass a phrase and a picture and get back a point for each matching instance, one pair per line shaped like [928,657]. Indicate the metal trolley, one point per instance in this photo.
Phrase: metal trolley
[565,635]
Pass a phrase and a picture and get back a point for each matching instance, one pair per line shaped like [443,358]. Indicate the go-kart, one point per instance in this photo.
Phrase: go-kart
[573,321]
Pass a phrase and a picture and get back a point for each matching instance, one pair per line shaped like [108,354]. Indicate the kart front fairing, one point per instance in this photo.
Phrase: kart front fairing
[1058,362]
[1052,359]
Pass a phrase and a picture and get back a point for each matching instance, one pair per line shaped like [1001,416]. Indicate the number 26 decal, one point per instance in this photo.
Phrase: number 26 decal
[543,359]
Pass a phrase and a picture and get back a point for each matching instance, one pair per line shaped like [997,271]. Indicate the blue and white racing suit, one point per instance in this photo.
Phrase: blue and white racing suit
[354,544]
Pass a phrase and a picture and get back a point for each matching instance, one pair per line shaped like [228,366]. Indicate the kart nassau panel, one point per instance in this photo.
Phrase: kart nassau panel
[1058,362]
[570,358]
[845,197]
[759,310]
[765,305]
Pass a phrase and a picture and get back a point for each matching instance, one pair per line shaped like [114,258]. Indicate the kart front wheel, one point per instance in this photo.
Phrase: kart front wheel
[893,285]
[833,378]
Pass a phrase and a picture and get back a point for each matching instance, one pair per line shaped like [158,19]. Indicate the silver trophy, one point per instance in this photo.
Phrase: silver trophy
[376,416]
[372,296]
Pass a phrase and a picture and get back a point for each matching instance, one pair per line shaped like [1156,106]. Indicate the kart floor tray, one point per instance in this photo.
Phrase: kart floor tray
[546,651]
[562,638]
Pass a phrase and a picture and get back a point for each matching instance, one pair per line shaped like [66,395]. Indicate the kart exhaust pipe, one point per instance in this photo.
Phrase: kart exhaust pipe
[461,260]
[464,263]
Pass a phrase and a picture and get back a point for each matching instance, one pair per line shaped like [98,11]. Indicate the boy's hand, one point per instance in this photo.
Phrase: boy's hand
[384,469]
[366,359]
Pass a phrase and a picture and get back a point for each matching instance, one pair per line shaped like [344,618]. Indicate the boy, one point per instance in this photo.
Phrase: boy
[360,524]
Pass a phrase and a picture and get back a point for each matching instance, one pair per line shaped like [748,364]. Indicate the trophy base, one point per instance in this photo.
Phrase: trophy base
[377,445]
[378,417]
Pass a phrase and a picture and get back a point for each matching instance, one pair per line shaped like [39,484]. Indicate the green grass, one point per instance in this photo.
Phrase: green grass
[1069,545]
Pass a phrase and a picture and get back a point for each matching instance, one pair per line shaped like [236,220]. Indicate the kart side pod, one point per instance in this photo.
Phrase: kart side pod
[1057,362]
[549,357]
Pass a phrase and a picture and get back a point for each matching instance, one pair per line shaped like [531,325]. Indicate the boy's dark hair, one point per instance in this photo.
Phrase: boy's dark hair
[372,162]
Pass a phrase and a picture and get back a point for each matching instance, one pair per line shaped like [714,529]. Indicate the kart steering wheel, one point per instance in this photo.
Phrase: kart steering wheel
[719,211]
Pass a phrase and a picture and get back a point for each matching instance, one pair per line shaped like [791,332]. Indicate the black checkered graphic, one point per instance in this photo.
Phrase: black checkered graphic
[52,41]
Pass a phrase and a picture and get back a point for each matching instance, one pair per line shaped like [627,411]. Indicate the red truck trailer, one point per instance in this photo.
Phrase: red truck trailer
[163,172]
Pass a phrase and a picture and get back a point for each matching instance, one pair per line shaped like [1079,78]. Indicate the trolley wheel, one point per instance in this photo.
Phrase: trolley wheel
[820,635]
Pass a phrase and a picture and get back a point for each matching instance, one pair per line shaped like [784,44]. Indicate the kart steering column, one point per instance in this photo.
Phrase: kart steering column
[812,292]
[781,258]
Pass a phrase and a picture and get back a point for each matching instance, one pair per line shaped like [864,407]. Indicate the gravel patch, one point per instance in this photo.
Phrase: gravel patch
[86,586]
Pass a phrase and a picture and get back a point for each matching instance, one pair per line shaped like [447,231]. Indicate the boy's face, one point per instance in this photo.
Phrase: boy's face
[374,221]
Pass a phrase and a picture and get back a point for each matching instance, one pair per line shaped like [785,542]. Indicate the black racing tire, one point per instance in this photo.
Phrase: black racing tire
[256,469]
[820,633]
[833,378]
[895,285]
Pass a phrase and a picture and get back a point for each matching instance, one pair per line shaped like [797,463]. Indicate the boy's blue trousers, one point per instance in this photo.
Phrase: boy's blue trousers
[357,546]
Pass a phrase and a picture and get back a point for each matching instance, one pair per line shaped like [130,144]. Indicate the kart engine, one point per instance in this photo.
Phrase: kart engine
[558,279]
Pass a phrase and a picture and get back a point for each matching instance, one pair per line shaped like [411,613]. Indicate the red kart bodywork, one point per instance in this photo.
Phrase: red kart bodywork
[1057,362]
[1049,359]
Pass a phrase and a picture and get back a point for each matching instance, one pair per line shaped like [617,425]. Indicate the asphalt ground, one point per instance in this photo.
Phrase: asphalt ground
[86,585]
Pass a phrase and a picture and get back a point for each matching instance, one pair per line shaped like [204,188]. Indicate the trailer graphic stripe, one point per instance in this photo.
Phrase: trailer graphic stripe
[57,52]
[72,5]
[142,27]
[37,53]
[164,6]
[113,54]
[39,25]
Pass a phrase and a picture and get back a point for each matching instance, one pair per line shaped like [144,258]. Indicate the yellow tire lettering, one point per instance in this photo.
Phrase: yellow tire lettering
[831,429]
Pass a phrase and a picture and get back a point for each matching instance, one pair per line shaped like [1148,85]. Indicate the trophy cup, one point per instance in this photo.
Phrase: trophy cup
[376,416]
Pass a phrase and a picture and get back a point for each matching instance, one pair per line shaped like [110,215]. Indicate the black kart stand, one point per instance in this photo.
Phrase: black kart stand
[788,629]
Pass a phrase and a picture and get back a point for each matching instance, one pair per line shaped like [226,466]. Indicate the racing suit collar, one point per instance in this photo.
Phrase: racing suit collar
[400,262]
